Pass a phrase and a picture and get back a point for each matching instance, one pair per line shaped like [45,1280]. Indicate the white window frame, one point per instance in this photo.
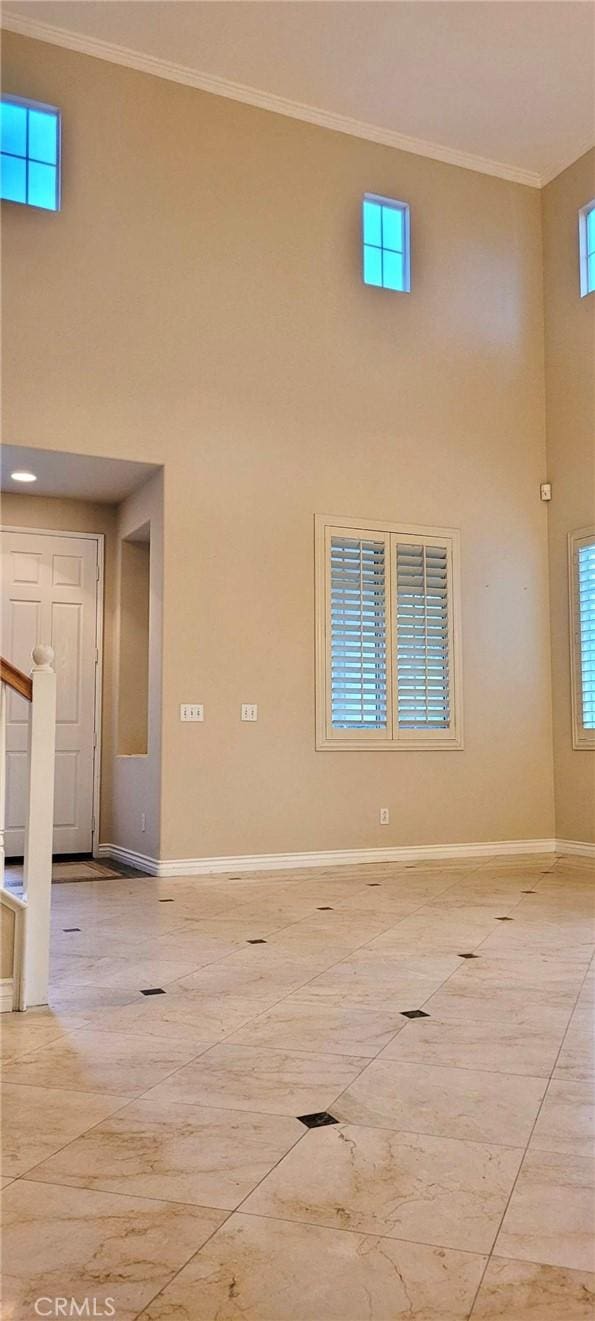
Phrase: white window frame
[390,739]
[581,738]
[392,204]
[46,108]
[583,249]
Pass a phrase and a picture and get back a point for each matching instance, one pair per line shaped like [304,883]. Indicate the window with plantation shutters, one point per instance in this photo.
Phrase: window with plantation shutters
[388,637]
[358,633]
[422,636]
[582,632]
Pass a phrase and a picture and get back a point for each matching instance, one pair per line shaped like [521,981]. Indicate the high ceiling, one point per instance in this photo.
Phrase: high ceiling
[507,86]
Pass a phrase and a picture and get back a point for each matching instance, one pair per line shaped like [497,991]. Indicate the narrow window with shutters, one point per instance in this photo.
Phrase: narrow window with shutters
[422,641]
[358,633]
[582,605]
[388,636]
[586,599]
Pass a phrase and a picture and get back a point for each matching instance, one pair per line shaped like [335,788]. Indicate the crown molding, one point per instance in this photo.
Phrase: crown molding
[554,171]
[279,105]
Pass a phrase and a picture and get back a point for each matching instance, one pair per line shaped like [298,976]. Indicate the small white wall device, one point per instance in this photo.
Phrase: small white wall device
[192,711]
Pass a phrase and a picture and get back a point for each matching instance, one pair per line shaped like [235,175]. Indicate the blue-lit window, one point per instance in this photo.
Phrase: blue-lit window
[385,241]
[30,153]
[582,552]
[586,234]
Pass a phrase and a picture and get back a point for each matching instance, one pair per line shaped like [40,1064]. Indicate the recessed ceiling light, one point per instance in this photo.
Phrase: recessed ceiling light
[23,476]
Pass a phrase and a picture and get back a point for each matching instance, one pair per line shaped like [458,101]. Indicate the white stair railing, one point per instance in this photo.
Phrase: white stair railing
[37,867]
[32,931]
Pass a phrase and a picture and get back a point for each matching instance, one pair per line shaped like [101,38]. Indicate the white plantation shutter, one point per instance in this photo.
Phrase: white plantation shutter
[586,614]
[388,636]
[582,633]
[358,627]
[422,641]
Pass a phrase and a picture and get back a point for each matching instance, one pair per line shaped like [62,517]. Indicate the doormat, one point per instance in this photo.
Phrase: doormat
[82,871]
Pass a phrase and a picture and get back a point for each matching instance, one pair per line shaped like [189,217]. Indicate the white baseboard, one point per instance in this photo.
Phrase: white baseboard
[6,995]
[141,861]
[577,847]
[330,858]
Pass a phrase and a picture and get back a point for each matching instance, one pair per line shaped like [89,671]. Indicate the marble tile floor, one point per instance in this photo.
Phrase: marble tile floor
[162,1152]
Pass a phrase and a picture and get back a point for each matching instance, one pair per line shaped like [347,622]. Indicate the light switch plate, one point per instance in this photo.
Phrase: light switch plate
[249,711]
[192,711]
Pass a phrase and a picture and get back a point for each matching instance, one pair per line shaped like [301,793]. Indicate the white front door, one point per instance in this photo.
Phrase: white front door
[49,594]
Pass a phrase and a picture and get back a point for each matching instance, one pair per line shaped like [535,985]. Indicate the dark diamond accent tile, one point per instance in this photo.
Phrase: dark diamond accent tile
[504,919]
[71,928]
[259,941]
[326,908]
[319,1120]
[153,990]
[467,956]
[414,1013]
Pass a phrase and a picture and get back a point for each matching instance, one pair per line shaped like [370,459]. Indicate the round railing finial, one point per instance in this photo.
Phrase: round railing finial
[43,657]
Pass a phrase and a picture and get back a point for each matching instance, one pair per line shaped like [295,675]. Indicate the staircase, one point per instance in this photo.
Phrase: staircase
[25,946]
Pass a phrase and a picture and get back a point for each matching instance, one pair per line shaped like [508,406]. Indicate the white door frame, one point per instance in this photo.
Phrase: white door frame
[99,537]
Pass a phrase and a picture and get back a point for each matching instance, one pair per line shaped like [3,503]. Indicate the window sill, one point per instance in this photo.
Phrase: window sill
[386,745]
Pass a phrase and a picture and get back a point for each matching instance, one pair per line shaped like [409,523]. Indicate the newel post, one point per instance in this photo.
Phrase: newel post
[39,828]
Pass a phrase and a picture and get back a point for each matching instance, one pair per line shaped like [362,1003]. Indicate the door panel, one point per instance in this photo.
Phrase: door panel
[16,790]
[19,636]
[49,594]
[26,567]
[68,661]
[66,790]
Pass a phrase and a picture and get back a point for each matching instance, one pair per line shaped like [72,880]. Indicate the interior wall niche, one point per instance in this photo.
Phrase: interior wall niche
[133,673]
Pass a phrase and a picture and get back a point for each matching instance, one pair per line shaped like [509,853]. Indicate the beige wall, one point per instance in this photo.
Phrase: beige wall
[36,511]
[198,303]
[137,778]
[570,384]
[133,670]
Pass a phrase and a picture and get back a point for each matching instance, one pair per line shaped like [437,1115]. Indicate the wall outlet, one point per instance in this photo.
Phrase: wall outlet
[249,711]
[384,816]
[143,821]
[192,711]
